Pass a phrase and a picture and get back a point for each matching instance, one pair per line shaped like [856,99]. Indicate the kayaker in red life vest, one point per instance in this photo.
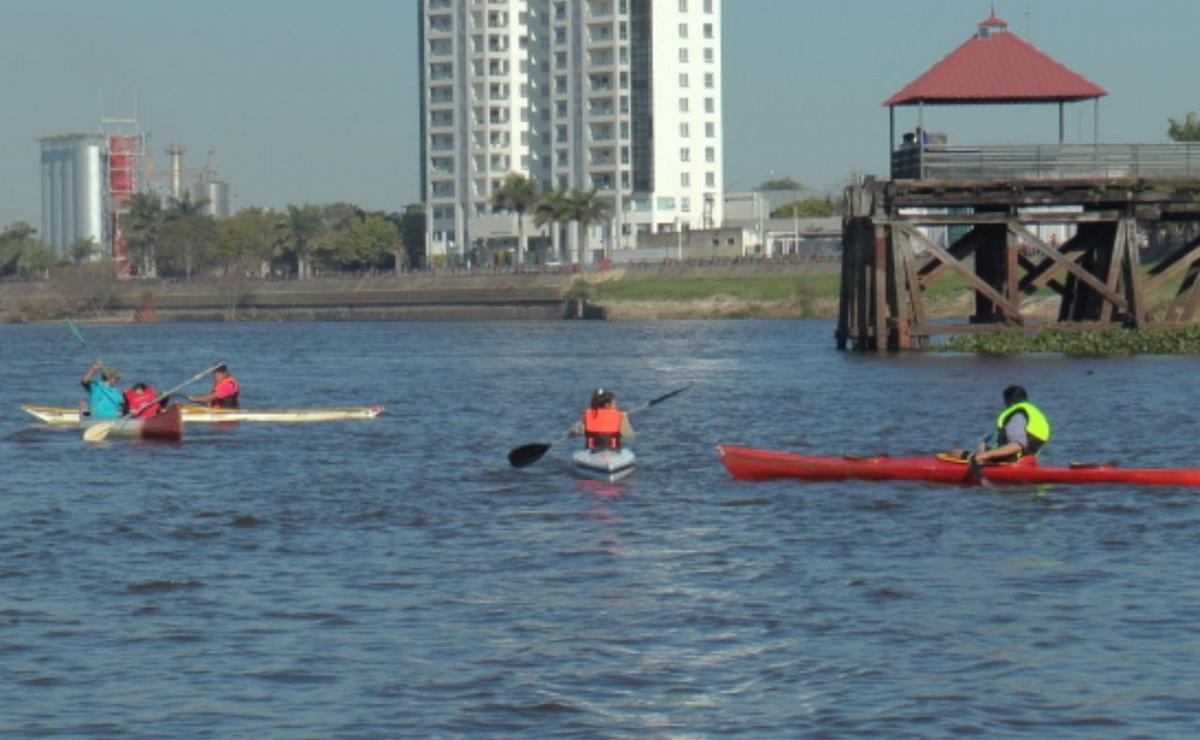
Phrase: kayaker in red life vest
[224,393]
[1021,429]
[604,425]
[144,397]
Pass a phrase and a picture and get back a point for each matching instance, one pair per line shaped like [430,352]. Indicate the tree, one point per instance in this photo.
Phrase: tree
[302,228]
[517,193]
[83,250]
[367,242]
[21,253]
[1186,130]
[187,236]
[780,183]
[584,207]
[820,207]
[143,227]
[553,208]
[246,241]
[411,225]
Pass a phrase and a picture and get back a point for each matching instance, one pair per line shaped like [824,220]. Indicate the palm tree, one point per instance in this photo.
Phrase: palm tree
[516,193]
[301,228]
[143,226]
[551,209]
[190,230]
[585,208]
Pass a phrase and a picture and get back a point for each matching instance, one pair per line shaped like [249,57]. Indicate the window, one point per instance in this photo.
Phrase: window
[685,154]
[710,129]
[707,6]
[685,180]
[683,30]
[709,80]
[709,105]
[683,105]
[708,30]
[683,79]
[708,54]
[682,6]
[685,205]
[710,154]
[683,55]
[710,179]
[683,130]
[666,204]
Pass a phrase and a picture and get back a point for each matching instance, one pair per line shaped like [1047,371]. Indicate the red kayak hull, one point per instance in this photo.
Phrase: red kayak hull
[748,463]
[168,425]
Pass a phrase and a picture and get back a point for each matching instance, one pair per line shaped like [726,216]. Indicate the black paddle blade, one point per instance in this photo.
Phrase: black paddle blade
[665,396]
[527,454]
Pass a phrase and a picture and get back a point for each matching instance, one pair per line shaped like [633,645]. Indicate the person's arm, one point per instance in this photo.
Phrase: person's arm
[1005,450]
[86,380]
[627,433]
[1018,440]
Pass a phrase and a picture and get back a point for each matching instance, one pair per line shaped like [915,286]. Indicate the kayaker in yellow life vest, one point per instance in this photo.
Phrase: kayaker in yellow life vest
[604,425]
[1021,429]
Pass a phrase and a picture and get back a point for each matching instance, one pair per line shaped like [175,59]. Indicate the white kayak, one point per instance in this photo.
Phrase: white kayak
[66,416]
[604,464]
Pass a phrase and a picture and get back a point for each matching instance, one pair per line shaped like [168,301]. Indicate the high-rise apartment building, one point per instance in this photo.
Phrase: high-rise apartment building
[620,96]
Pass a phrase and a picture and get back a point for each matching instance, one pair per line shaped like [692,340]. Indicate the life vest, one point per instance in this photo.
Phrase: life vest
[135,399]
[1037,428]
[602,428]
[225,393]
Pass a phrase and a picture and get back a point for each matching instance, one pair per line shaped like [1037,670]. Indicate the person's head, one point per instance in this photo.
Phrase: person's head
[111,375]
[139,386]
[602,397]
[220,371]
[1014,394]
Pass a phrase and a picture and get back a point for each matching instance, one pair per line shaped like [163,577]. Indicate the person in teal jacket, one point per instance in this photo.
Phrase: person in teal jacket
[105,400]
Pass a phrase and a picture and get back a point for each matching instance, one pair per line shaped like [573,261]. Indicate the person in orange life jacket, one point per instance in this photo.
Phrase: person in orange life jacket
[225,390]
[143,397]
[604,425]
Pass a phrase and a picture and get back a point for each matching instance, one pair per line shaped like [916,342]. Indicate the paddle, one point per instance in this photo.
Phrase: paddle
[99,432]
[529,454]
[975,468]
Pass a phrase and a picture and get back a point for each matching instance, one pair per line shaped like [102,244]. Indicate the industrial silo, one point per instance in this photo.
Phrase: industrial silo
[215,196]
[72,190]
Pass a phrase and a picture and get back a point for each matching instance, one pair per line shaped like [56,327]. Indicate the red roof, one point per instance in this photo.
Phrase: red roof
[996,67]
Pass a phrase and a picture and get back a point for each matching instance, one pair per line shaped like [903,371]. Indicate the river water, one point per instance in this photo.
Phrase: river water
[397,578]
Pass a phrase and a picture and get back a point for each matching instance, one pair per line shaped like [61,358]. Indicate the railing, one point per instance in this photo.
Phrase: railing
[1047,161]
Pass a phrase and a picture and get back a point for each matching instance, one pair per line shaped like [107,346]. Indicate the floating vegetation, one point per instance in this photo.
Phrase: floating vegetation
[1180,341]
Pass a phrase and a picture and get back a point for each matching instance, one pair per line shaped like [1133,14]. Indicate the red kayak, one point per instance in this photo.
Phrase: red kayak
[748,463]
[167,425]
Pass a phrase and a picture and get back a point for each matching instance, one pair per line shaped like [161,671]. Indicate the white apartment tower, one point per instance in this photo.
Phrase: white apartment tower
[620,96]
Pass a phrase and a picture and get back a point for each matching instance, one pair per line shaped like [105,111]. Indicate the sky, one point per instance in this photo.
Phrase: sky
[316,101]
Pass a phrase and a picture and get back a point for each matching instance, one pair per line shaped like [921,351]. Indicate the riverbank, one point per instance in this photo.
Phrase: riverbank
[628,293]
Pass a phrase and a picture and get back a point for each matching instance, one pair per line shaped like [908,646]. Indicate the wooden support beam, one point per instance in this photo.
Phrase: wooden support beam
[1116,261]
[914,283]
[1180,259]
[1133,277]
[929,329]
[1091,280]
[979,285]
[963,247]
[990,217]
[879,288]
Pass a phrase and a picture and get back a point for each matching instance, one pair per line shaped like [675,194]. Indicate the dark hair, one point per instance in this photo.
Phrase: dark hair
[222,368]
[601,397]
[139,386]
[1014,394]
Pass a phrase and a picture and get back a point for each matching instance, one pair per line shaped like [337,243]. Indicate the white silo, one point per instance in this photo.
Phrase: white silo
[72,190]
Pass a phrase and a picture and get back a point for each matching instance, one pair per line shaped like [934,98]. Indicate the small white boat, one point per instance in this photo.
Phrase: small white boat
[604,464]
[67,416]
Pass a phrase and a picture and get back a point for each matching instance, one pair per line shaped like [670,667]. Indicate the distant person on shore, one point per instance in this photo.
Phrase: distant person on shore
[104,400]
[604,425]
[1021,429]
[225,391]
[909,142]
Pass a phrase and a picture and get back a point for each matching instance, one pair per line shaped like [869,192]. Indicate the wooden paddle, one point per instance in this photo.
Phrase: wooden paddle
[528,454]
[99,432]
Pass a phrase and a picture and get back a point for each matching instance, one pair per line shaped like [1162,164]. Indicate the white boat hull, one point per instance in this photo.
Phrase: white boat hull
[606,465]
[66,416]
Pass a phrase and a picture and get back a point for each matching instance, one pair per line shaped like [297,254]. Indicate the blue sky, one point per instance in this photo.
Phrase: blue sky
[316,100]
